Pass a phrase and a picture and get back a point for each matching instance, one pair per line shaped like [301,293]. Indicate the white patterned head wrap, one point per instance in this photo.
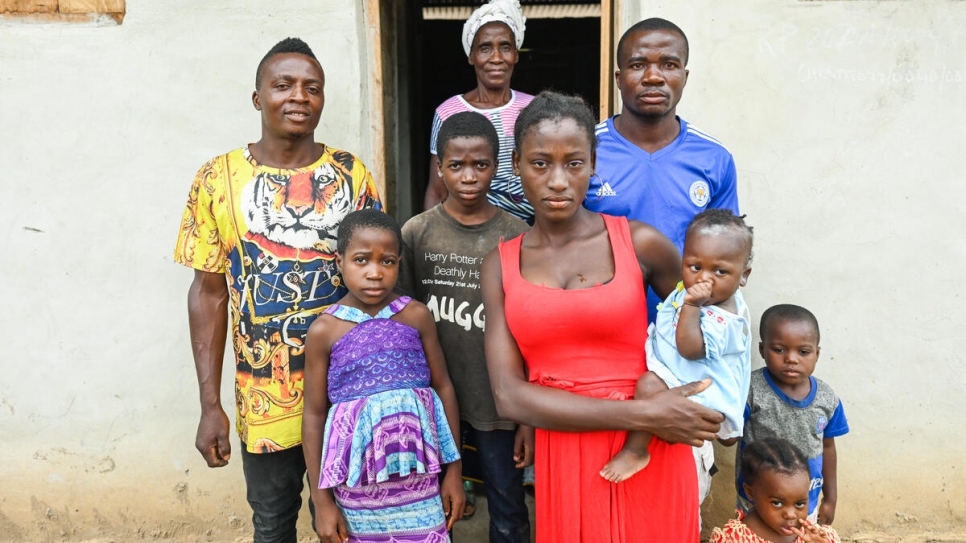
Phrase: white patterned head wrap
[507,12]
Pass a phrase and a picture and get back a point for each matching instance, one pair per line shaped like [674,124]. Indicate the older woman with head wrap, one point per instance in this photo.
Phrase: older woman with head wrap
[492,37]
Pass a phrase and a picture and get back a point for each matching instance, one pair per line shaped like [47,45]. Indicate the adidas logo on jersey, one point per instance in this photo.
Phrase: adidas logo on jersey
[605,190]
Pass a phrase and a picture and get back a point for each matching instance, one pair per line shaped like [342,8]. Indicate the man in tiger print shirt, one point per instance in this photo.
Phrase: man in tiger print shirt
[259,231]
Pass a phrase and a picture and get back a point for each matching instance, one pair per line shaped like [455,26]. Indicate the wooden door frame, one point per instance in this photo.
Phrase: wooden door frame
[608,29]
[376,72]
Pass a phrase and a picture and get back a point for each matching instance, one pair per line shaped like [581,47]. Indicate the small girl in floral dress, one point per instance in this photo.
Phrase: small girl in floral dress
[776,482]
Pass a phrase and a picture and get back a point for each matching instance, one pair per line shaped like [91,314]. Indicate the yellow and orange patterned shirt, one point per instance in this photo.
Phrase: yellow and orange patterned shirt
[272,232]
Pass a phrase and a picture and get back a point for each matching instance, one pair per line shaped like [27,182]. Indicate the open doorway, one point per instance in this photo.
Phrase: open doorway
[561,51]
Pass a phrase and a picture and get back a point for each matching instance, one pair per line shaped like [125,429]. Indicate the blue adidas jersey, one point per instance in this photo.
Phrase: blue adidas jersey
[665,189]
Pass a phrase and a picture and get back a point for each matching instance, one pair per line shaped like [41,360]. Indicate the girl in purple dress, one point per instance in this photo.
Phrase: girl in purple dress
[390,403]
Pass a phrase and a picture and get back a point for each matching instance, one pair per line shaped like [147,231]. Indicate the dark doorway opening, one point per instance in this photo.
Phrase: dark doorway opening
[562,54]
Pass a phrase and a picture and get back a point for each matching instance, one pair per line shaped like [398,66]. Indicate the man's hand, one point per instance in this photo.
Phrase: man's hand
[329,522]
[212,438]
[698,294]
[208,324]
[523,446]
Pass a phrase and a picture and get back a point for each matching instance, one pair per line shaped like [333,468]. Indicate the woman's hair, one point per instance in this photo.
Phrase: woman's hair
[771,454]
[553,106]
[365,218]
[717,218]
[467,124]
[786,313]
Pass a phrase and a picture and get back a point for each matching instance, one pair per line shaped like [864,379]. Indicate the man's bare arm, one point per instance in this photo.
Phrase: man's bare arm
[208,322]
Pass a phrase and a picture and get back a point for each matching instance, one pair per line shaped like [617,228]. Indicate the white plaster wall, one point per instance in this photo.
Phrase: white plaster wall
[102,130]
[846,120]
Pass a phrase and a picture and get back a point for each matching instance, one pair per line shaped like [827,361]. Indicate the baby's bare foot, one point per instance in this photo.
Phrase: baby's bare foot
[625,464]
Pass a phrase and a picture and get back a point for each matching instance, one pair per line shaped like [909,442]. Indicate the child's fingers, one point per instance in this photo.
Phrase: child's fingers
[336,537]
[343,530]
[808,532]
[519,447]
[447,508]
[520,456]
[461,502]
[803,534]
[527,456]
[456,512]
[453,503]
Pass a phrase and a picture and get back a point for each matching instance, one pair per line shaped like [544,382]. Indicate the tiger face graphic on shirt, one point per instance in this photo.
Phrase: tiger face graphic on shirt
[272,232]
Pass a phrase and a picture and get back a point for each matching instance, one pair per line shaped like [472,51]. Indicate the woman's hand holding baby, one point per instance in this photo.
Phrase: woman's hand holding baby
[679,420]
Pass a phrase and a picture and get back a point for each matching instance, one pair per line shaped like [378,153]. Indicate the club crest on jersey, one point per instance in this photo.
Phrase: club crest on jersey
[699,193]
[821,424]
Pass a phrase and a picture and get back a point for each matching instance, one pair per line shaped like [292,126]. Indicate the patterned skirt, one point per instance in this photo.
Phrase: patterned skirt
[403,509]
[382,456]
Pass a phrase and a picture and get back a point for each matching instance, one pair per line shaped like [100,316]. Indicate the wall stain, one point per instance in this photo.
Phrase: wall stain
[10,530]
[71,461]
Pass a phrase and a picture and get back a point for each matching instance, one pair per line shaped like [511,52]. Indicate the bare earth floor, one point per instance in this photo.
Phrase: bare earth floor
[473,530]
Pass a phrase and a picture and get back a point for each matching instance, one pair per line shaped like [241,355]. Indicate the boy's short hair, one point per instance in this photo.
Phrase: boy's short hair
[288,45]
[365,218]
[467,124]
[647,25]
[786,313]
[723,218]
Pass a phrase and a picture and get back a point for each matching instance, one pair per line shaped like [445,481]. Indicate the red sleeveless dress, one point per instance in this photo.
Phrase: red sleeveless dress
[591,342]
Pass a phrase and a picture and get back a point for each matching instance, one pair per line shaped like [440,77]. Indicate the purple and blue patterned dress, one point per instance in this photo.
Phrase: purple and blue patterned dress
[386,435]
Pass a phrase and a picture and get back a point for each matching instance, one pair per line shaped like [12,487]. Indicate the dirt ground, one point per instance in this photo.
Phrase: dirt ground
[238,530]
[475,530]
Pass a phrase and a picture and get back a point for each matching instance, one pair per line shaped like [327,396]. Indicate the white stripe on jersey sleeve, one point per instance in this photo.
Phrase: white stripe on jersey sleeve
[700,134]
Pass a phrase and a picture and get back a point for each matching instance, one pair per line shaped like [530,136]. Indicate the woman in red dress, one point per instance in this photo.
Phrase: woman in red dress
[565,332]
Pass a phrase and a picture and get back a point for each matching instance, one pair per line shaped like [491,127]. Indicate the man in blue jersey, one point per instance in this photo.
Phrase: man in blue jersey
[652,166]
